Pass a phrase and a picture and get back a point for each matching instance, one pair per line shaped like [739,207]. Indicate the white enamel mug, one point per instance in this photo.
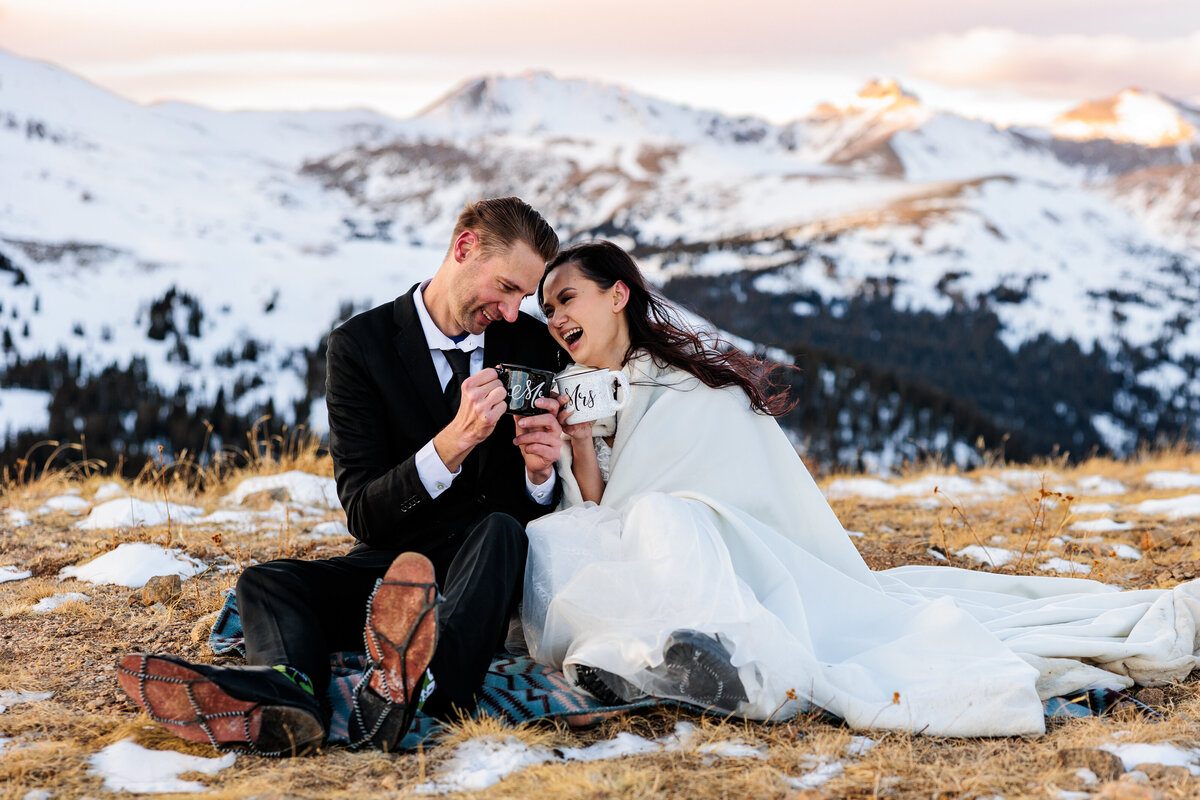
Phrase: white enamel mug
[592,393]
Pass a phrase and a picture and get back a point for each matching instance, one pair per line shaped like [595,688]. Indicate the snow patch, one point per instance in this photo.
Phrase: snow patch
[822,772]
[67,502]
[301,488]
[1165,479]
[1099,485]
[1065,567]
[1171,507]
[10,697]
[107,491]
[1126,552]
[15,518]
[129,512]
[871,488]
[48,604]
[11,573]
[132,564]
[1169,755]
[484,761]
[1100,525]
[995,556]
[1094,508]
[334,528]
[129,767]
[955,487]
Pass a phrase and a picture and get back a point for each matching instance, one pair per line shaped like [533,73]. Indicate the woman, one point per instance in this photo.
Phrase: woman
[694,557]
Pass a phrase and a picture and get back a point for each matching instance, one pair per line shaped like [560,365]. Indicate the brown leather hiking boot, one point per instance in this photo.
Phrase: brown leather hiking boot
[246,708]
[400,636]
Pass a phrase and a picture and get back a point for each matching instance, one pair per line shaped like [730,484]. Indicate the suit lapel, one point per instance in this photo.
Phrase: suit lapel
[416,362]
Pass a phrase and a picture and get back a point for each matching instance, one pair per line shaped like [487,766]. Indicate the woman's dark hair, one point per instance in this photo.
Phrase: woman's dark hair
[654,326]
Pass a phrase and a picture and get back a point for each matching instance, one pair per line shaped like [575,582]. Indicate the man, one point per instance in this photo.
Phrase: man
[437,483]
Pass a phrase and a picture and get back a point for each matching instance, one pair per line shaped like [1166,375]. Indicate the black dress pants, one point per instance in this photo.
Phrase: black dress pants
[298,612]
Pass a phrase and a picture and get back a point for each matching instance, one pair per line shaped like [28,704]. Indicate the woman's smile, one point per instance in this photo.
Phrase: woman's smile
[586,319]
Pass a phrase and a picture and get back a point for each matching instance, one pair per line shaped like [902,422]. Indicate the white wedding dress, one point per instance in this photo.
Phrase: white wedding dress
[711,522]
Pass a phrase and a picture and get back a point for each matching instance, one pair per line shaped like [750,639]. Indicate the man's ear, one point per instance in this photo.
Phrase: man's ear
[620,295]
[466,241]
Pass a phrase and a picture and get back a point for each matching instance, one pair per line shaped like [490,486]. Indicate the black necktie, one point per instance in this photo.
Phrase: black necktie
[460,364]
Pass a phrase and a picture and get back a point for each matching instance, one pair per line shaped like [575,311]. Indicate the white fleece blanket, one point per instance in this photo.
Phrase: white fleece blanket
[711,522]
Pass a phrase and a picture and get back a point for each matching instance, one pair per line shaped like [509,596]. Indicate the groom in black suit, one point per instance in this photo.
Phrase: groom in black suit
[427,462]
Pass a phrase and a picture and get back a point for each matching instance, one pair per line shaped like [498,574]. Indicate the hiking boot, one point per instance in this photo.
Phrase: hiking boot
[701,667]
[592,681]
[400,636]
[246,708]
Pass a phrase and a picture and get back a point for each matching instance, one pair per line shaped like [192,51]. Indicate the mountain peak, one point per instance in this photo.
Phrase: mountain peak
[539,103]
[886,92]
[1132,115]
[879,95]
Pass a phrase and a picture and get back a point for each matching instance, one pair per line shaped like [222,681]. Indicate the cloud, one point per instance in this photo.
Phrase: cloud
[1060,64]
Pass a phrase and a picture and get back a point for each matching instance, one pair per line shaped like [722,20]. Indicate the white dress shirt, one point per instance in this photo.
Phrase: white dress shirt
[430,469]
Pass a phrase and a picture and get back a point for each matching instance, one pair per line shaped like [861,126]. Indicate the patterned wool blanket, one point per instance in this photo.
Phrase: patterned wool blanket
[517,689]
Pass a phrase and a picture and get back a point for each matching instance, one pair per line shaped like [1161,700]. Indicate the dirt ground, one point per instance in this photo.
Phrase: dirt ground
[72,652]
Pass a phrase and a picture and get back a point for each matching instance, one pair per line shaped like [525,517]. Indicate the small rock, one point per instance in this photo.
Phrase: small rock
[161,589]
[1151,696]
[1160,540]
[261,501]
[1105,765]
[97,703]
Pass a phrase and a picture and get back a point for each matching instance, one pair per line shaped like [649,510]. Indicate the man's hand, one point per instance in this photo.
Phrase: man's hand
[484,401]
[540,438]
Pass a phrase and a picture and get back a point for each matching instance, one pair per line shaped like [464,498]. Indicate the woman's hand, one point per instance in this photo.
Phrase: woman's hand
[540,439]
[576,433]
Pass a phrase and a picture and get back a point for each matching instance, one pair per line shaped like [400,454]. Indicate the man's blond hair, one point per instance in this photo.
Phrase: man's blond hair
[502,221]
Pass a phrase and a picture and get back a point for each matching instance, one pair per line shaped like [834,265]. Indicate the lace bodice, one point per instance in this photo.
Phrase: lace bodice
[603,456]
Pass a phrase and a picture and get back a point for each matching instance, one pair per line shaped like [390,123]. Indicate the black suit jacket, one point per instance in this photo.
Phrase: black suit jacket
[385,403]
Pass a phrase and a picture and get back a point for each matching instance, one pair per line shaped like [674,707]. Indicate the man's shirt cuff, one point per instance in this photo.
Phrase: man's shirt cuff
[542,493]
[433,473]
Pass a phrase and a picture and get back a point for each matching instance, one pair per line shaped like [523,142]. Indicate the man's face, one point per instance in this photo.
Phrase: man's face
[490,287]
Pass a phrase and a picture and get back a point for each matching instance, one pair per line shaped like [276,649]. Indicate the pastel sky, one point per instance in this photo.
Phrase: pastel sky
[1010,61]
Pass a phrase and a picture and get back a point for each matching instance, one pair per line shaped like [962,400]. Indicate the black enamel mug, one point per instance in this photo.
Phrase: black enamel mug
[524,385]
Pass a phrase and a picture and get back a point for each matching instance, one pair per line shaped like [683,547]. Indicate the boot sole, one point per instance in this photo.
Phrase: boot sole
[401,628]
[193,707]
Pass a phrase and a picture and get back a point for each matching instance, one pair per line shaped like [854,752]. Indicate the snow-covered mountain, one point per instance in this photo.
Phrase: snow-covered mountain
[207,253]
[1132,115]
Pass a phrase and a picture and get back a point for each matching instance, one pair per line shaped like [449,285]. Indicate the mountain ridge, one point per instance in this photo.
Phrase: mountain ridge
[207,253]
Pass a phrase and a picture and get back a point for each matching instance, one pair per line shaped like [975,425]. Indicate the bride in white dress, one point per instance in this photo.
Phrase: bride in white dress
[693,557]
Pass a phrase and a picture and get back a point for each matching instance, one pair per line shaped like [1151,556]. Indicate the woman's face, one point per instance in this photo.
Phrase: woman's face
[586,320]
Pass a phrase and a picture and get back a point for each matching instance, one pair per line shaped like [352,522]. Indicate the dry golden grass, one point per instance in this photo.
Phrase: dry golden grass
[73,651]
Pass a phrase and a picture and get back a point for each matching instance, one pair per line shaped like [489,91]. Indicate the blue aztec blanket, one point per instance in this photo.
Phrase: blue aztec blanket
[517,689]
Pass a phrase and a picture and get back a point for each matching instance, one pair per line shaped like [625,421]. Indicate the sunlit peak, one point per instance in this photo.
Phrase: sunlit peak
[1132,115]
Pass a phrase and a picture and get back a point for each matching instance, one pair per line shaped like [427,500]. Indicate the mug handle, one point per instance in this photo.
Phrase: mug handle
[622,393]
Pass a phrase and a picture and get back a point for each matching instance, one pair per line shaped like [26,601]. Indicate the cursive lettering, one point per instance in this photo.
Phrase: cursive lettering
[581,398]
[522,395]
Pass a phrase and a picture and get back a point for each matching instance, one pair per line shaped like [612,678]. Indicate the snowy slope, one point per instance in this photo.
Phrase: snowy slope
[220,247]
